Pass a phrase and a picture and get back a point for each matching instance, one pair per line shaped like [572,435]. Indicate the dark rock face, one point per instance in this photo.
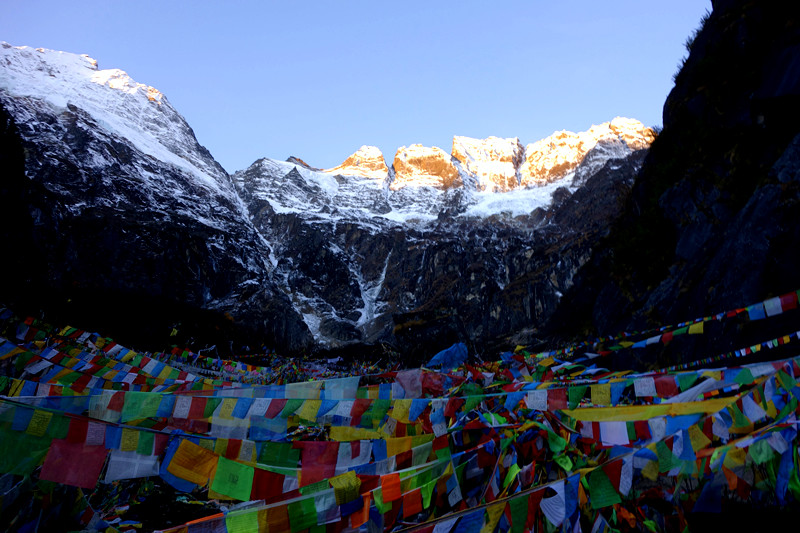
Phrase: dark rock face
[711,223]
[419,288]
[129,243]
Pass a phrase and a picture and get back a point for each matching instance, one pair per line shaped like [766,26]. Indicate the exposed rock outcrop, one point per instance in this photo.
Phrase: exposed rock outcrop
[556,156]
[494,161]
[118,205]
[423,166]
[711,223]
[367,162]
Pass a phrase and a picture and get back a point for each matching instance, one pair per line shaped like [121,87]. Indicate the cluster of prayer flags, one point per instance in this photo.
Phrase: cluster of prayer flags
[510,445]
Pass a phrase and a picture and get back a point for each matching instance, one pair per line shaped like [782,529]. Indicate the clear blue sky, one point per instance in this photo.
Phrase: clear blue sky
[319,79]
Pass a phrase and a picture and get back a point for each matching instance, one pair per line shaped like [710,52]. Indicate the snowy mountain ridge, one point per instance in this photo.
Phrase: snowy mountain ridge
[307,257]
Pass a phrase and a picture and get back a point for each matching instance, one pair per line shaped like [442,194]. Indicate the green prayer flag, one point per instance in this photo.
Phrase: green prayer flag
[744,377]
[761,452]
[427,491]
[666,459]
[292,405]
[233,479]
[145,445]
[242,522]
[631,427]
[788,408]
[443,454]
[576,395]
[787,381]
[739,420]
[556,443]
[315,487]
[601,492]
[302,514]
[211,406]
[382,507]
[59,427]
[519,513]
[140,405]
[279,454]
[564,462]
[21,453]
[513,470]
[686,380]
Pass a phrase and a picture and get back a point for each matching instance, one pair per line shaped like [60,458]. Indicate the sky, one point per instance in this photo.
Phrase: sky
[317,80]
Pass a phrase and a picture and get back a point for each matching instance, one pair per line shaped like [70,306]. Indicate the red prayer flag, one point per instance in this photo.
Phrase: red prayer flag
[412,503]
[78,428]
[72,463]
[267,486]
[317,460]
[557,399]
[666,386]
[789,301]
[197,408]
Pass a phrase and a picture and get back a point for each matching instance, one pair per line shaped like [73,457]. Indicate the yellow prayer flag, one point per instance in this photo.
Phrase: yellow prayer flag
[601,394]
[16,387]
[494,512]
[129,441]
[309,409]
[128,356]
[164,374]
[650,471]
[346,487]
[698,438]
[221,447]
[38,423]
[226,408]
[401,410]
[696,328]
[397,445]
[629,413]
[347,433]
[735,457]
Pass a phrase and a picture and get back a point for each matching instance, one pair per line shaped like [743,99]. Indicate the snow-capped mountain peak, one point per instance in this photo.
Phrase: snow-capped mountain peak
[367,162]
[119,104]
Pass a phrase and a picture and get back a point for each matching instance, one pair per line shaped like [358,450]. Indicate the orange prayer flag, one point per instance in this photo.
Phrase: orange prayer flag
[359,518]
[278,519]
[193,463]
[390,485]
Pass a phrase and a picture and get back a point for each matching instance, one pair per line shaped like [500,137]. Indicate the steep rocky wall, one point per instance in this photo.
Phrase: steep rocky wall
[91,243]
[712,221]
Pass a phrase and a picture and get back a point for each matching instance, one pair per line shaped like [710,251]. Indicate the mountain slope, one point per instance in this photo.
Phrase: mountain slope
[712,221]
[130,212]
[130,224]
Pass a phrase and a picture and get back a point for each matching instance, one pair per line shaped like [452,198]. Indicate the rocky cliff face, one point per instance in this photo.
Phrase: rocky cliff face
[560,154]
[367,161]
[712,221]
[127,210]
[124,212]
[422,166]
[494,162]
